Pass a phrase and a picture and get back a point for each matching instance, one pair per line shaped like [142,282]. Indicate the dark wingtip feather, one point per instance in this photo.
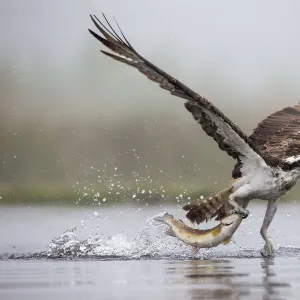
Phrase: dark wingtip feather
[109,44]
[110,54]
[94,34]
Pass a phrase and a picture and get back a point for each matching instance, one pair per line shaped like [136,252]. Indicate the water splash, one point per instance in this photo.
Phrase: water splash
[151,242]
[144,244]
[68,245]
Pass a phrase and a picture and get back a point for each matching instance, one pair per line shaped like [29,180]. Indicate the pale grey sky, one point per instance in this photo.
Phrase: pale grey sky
[232,52]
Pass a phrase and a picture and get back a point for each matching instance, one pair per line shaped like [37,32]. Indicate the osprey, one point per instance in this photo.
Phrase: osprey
[268,161]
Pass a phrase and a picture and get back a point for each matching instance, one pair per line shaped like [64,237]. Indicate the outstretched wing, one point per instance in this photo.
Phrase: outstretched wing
[279,134]
[227,134]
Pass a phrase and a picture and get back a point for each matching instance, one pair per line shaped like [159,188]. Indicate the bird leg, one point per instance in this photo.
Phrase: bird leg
[237,208]
[268,250]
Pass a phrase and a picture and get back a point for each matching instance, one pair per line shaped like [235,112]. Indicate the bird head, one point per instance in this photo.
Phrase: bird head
[293,162]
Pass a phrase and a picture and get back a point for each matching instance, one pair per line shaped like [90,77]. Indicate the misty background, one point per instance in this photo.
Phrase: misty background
[72,119]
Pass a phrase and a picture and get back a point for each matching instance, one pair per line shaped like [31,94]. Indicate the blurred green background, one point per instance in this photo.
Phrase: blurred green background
[77,127]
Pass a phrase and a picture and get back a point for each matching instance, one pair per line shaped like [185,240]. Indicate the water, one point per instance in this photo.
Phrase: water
[117,253]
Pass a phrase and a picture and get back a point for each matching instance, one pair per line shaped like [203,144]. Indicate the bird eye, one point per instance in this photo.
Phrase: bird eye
[296,164]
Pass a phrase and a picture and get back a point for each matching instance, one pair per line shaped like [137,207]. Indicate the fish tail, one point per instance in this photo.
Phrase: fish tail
[164,217]
[205,209]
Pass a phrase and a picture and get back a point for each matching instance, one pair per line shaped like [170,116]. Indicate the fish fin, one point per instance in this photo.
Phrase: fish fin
[170,232]
[194,250]
[227,241]
[215,231]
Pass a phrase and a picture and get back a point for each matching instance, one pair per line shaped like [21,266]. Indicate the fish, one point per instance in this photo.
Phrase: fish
[198,238]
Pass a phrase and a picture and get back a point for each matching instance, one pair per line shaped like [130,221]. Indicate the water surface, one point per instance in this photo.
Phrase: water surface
[117,253]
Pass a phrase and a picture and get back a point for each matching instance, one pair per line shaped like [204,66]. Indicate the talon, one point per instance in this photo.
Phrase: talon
[242,211]
[246,214]
[268,251]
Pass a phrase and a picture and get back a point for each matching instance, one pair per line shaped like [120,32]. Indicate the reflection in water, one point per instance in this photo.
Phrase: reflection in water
[271,287]
[209,279]
[218,279]
[150,279]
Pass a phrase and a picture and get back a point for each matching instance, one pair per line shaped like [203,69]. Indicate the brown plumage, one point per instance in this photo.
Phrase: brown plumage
[279,134]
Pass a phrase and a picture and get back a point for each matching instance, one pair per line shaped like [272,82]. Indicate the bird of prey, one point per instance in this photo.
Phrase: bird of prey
[267,161]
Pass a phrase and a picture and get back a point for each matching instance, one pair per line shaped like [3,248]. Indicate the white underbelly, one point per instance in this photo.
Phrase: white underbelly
[262,186]
[268,194]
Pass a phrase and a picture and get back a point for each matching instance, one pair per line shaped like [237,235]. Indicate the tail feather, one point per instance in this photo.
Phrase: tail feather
[206,209]
[222,212]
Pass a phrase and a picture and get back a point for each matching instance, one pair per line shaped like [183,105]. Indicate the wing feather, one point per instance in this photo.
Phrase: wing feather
[227,134]
[279,134]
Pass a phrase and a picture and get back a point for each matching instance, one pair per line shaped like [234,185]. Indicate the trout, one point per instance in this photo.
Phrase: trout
[197,238]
